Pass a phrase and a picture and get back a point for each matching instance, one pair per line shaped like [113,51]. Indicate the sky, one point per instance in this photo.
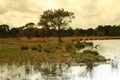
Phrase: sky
[88,13]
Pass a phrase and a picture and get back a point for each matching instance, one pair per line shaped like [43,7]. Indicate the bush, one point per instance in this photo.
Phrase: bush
[79,45]
[24,47]
[34,48]
[91,52]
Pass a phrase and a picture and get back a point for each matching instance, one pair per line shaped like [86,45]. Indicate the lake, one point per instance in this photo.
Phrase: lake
[105,71]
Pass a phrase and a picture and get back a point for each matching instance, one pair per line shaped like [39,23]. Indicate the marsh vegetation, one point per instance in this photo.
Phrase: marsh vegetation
[37,50]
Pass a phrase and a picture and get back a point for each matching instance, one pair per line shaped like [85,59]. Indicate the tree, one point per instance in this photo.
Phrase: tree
[29,25]
[14,32]
[100,30]
[90,32]
[4,30]
[82,32]
[29,30]
[56,19]
[70,31]
[76,32]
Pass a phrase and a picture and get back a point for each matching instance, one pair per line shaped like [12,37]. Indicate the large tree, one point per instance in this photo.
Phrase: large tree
[56,19]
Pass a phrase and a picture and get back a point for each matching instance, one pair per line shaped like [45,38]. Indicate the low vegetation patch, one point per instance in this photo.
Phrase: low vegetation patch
[34,48]
[24,47]
[90,52]
[80,45]
[35,51]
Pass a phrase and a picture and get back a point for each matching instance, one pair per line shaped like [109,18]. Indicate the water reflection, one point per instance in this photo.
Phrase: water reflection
[60,72]
[30,72]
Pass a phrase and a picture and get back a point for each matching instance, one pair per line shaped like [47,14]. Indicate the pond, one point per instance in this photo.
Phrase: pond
[103,71]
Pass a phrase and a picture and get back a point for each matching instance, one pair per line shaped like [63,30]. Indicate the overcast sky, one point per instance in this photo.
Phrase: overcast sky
[88,13]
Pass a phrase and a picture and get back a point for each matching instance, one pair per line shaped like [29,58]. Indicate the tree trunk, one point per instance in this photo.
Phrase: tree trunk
[59,34]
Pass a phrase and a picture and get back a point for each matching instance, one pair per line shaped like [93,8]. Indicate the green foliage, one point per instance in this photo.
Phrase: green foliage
[56,19]
[15,32]
[29,32]
[89,65]
[79,45]
[90,52]
[4,31]
[52,27]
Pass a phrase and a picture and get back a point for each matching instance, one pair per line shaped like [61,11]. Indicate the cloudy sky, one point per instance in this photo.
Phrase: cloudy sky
[88,13]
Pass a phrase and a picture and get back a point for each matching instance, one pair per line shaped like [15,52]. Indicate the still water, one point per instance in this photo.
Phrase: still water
[107,48]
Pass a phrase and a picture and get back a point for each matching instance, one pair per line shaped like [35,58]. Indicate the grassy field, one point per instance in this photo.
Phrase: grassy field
[44,50]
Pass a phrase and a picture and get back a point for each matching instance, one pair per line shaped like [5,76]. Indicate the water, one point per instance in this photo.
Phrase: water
[108,48]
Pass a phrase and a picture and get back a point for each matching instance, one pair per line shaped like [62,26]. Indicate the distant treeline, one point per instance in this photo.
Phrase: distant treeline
[29,30]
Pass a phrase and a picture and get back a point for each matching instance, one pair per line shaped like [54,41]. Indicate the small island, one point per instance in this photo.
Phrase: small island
[49,50]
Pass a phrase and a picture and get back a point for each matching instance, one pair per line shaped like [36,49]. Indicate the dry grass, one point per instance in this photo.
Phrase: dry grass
[46,50]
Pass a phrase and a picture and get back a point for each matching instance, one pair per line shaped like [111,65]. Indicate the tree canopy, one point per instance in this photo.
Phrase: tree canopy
[56,19]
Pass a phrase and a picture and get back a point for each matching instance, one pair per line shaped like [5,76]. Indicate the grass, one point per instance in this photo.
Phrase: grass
[90,66]
[43,50]
[50,69]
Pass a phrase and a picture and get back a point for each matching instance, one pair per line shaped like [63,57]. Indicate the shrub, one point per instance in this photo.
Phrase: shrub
[24,47]
[91,52]
[79,45]
[34,48]
[95,52]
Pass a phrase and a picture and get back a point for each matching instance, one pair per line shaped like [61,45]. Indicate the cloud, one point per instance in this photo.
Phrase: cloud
[88,13]
[19,5]
[2,8]
[19,12]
